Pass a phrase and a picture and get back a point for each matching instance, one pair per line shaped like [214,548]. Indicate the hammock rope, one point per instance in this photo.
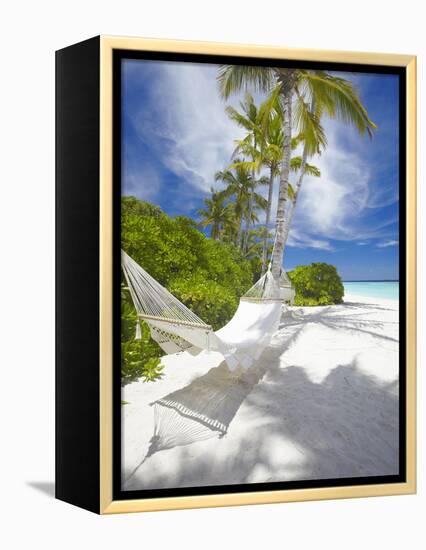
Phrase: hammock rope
[206,408]
[153,300]
[176,328]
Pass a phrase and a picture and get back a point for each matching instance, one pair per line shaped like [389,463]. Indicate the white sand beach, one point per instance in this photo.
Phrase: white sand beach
[322,402]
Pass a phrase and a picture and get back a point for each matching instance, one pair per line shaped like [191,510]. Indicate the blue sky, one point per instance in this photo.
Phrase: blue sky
[176,135]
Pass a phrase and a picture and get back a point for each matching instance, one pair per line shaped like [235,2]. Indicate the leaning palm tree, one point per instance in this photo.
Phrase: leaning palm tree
[215,214]
[266,152]
[311,93]
[300,165]
[268,155]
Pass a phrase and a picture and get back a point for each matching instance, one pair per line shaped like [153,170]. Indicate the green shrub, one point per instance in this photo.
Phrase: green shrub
[317,284]
[152,370]
[139,358]
[212,302]
[208,276]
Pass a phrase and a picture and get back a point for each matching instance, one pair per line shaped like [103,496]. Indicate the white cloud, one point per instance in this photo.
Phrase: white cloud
[298,239]
[144,184]
[333,206]
[187,128]
[329,204]
[385,244]
[186,123]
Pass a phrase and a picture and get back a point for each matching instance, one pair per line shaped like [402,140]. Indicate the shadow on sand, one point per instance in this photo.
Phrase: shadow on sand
[346,426]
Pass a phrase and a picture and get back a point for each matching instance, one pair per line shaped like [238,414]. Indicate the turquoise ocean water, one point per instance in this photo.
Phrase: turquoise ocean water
[373,289]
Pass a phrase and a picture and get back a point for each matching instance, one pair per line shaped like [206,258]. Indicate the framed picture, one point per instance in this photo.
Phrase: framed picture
[235,274]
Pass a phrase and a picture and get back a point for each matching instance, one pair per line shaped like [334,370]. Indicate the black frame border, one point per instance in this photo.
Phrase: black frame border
[118,56]
[77,398]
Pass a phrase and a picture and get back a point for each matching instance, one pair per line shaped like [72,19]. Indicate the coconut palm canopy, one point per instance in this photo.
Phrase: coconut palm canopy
[247,150]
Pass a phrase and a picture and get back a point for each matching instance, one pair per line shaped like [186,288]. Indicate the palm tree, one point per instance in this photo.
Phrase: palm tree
[269,153]
[313,93]
[266,152]
[216,213]
[298,164]
[248,119]
[255,241]
[240,185]
[230,228]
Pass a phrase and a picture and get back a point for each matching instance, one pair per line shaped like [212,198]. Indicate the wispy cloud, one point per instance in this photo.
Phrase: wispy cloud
[142,182]
[298,239]
[342,204]
[181,119]
[185,122]
[385,244]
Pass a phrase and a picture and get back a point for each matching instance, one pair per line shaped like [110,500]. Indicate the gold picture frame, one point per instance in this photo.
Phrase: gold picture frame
[107,46]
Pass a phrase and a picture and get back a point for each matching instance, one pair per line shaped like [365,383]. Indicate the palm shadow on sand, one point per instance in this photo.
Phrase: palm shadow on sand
[206,407]
[201,410]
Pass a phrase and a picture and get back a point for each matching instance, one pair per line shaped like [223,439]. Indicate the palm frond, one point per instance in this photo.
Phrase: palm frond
[295,163]
[260,201]
[339,99]
[247,148]
[240,119]
[312,170]
[245,164]
[296,140]
[234,78]
[308,124]
[270,107]
[264,180]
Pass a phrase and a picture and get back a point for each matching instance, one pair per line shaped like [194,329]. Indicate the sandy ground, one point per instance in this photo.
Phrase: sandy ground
[322,402]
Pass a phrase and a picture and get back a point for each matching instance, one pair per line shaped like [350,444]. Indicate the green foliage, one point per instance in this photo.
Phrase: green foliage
[208,276]
[140,358]
[152,370]
[216,213]
[212,302]
[131,205]
[135,354]
[317,284]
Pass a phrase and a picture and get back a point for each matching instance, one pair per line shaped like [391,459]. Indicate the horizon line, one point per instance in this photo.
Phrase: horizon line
[370,281]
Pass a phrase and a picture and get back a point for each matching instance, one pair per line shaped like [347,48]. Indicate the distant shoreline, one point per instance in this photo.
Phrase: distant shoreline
[363,299]
[373,281]
[373,289]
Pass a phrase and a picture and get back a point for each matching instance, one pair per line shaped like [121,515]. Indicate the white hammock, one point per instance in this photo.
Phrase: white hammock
[176,328]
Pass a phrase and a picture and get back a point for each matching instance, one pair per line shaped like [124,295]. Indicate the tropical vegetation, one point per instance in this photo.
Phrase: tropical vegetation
[300,98]
[317,284]
[281,136]
[207,275]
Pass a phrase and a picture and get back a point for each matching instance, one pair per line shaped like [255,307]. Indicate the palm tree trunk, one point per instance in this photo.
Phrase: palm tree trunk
[277,256]
[298,185]
[250,204]
[267,218]
[299,182]
[248,223]
[213,233]
[240,234]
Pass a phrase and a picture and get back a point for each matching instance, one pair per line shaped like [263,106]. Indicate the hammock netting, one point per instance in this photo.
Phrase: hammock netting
[187,416]
[176,328]
[202,410]
[285,280]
